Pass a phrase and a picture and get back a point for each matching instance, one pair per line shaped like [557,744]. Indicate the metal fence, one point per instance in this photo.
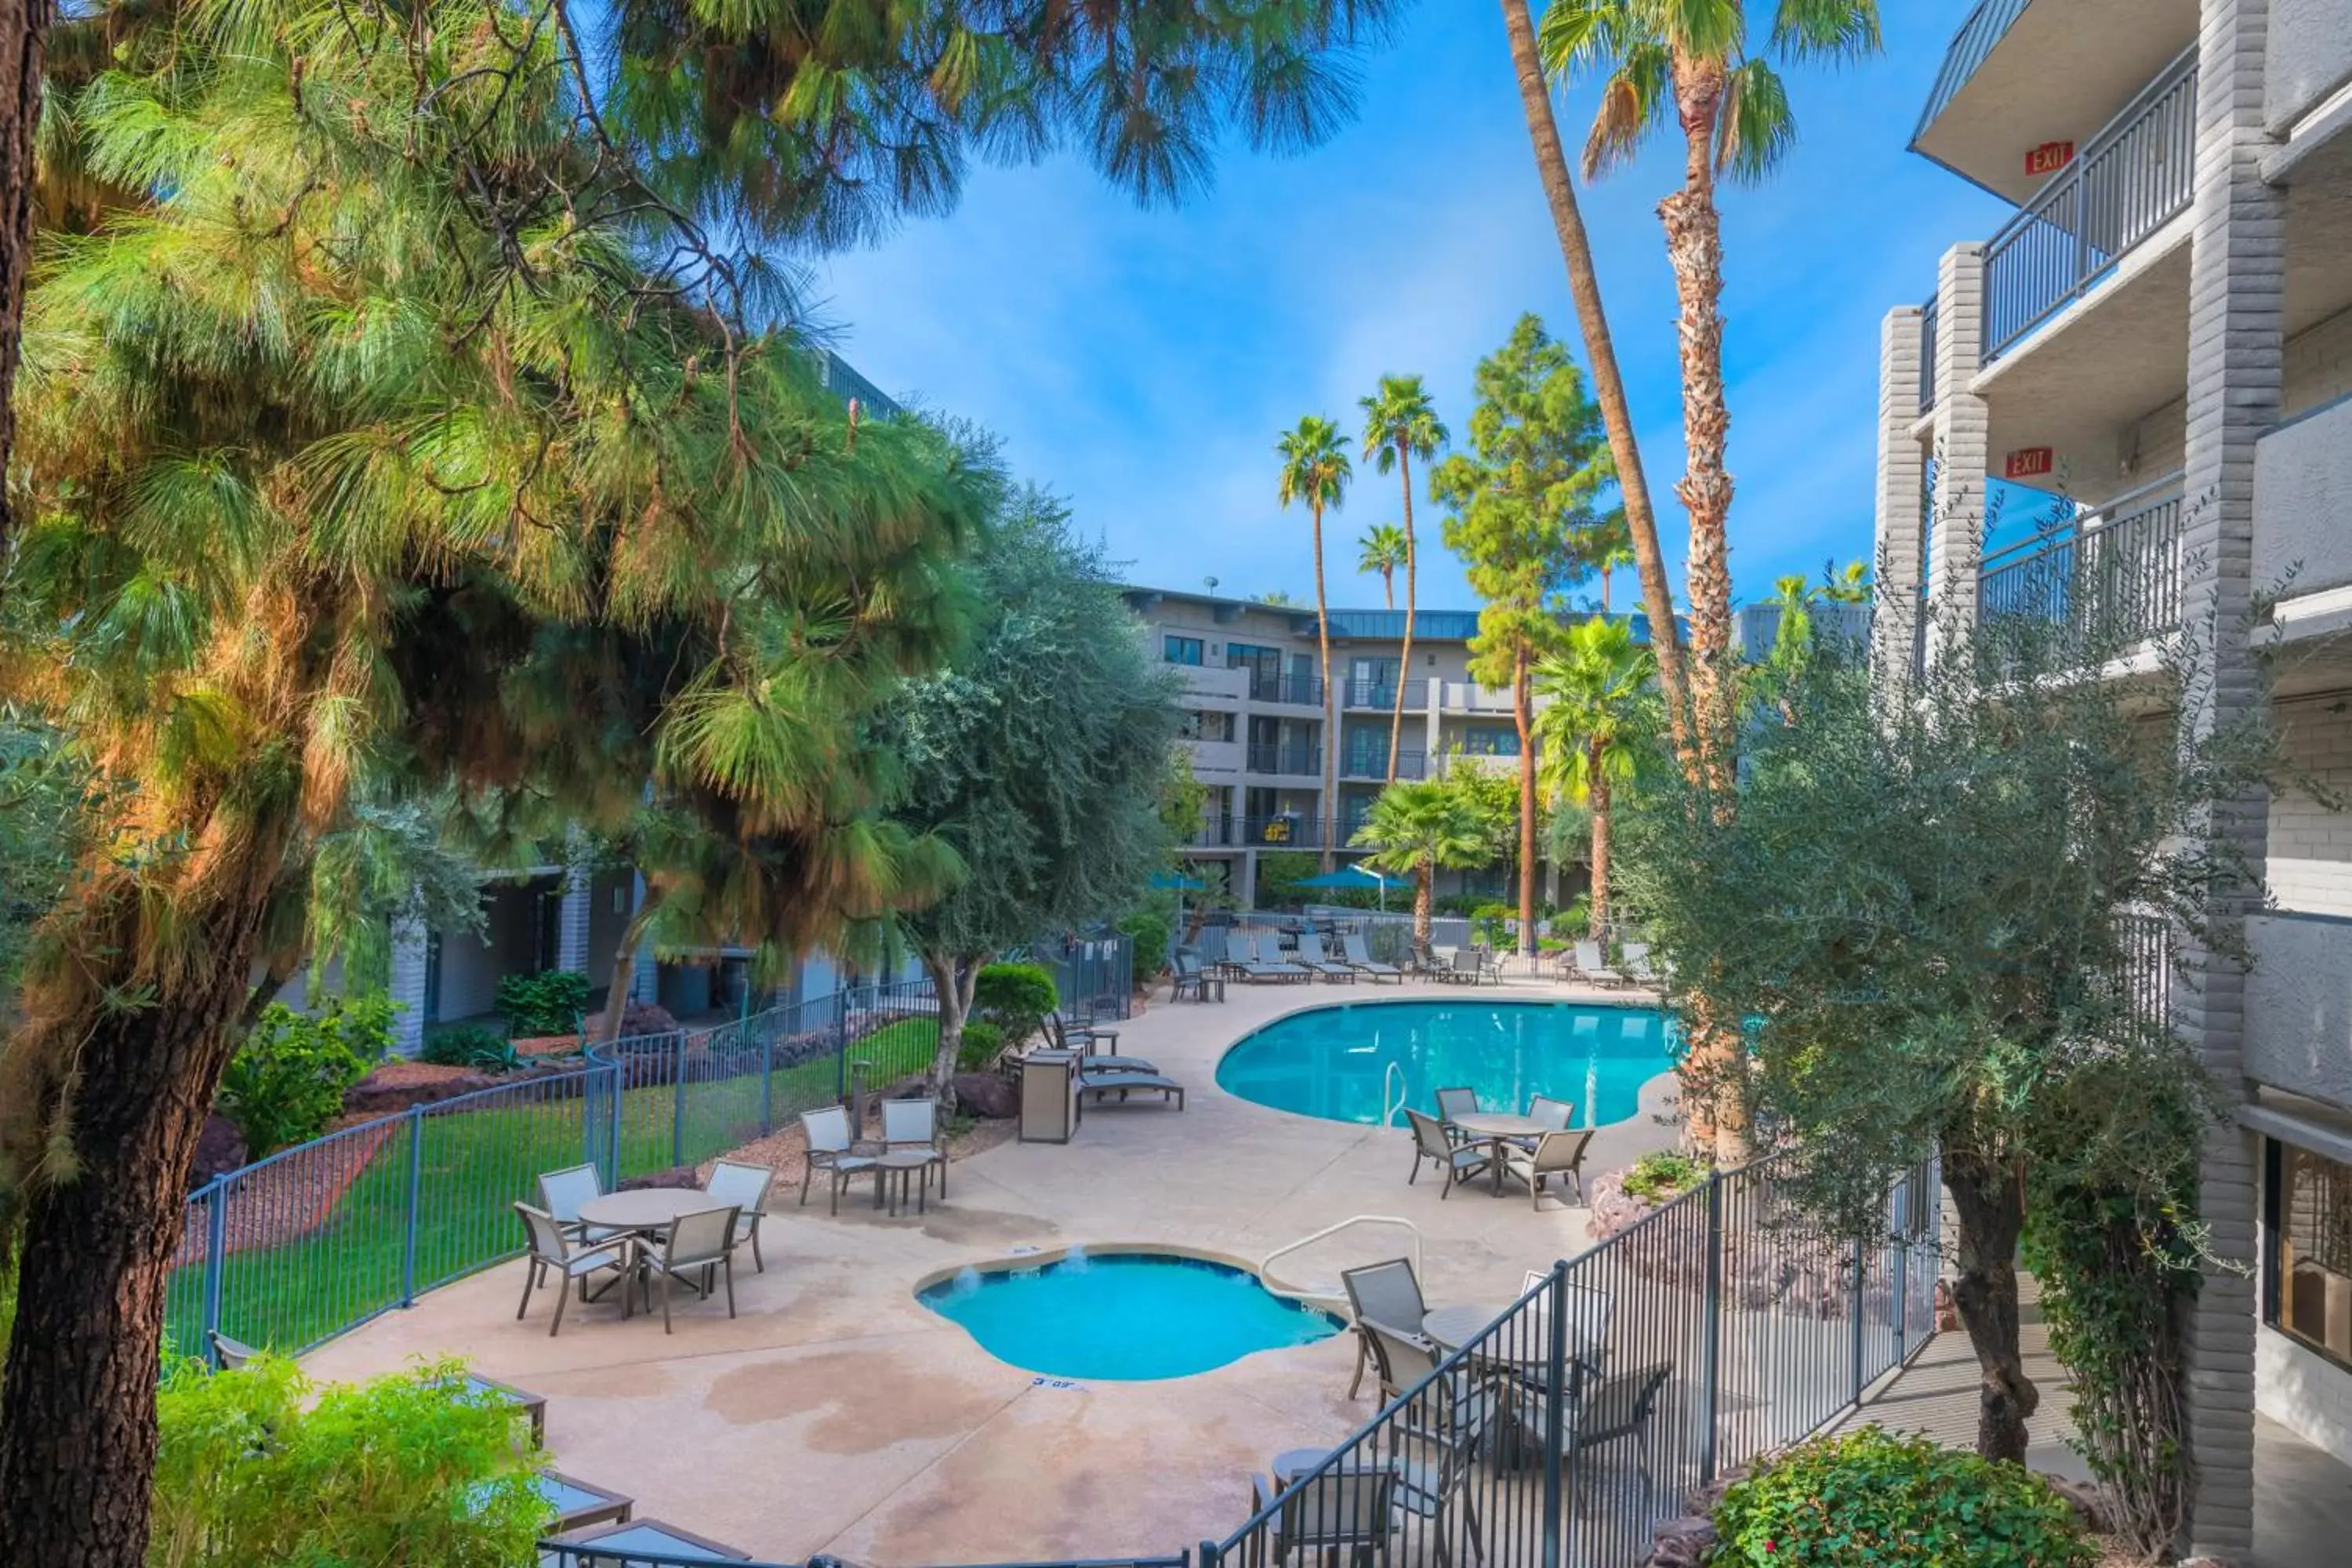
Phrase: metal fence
[1720,1327]
[315,1240]
[2135,176]
[2116,578]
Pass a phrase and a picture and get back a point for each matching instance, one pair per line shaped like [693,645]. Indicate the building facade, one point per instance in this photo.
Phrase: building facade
[2162,336]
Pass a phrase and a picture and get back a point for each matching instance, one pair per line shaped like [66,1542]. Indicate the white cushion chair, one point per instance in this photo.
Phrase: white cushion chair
[914,1124]
[560,1252]
[697,1246]
[831,1148]
[561,1194]
[745,1188]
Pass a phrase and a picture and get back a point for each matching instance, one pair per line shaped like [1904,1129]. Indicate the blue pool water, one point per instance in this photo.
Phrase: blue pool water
[1131,1316]
[1332,1062]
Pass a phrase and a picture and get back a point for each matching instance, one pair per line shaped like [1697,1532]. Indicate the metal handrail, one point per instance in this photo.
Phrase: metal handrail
[1316,1293]
[2121,571]
[1972,45]
[1389,1107]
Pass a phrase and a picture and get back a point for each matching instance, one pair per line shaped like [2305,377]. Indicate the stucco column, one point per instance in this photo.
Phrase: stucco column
[407,985]
[2237,290]
[1961,448]
[1901,524]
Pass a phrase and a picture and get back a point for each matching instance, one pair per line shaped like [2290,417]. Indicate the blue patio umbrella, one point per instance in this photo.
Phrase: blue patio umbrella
[1180,884]
[1355,878]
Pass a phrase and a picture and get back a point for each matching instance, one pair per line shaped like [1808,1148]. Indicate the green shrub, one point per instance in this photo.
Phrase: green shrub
[984,1042]
[1488,923]
[1873,1499]
[548,1003]
[1663,1174]
[496,1056]
[1148,929]
[459,1044]
[261,1465]
[286,1083]
[1015,997]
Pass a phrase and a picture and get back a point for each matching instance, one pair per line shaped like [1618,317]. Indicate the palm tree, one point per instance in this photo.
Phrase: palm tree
[1315,470]
[1400,425]
[1608,380]
[1686,63]
[1590,729]
[1413,829]
[1382,550]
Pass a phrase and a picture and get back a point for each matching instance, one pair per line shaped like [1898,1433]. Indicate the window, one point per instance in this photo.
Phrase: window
[2307,1293]
[1491,741]
[1180,650]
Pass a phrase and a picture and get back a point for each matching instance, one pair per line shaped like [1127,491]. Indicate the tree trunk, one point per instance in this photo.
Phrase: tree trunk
[1330,719]
[1597,789]
[1521,696]
[77,1402]
[1608,383]
[1989,1203]
[1424,897]
[23,54]
[624,965]
[954,977]
[1404,657]
[1388,586]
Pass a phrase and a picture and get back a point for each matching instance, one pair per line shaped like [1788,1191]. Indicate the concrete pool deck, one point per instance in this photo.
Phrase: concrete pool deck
[838,1415]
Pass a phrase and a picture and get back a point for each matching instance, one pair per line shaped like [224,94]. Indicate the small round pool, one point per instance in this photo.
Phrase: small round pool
[1127,1316]
[1333,1062]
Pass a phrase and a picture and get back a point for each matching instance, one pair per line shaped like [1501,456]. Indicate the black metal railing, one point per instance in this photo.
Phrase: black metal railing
[1266,685]
[1220,833]
[1382,694]
[1372,763]
[1927,319]
[1300,831]
[2146,977]
[1723,1326]
[1281,757]
[2116,578]
[2135,176]
[1970,46]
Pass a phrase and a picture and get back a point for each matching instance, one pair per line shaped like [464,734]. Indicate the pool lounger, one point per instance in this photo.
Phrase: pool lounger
[1123,1083]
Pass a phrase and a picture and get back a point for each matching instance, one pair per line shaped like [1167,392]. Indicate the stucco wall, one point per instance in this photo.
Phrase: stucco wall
[2310,868]
[2302,501]
[2303,1392]
[2308,56]
[2299,1006]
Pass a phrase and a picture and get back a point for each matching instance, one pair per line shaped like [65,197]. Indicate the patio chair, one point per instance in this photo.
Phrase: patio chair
[746,1188]
[560,1252]
[1384,1292]
[1487,965]
[1257,967]
[1593,965]
[1193,977]
[915,1124]
[1468,967]
[229,1355]
[1449,1414]
[1555,1115]
[561,1194]
[1312,959]
[698,1244]
[831,1147]
[1454,1102]
[1352,948]
[1555,1154]
[1636,966]
[1349,1507]
[1621,1408]
[1459,1162]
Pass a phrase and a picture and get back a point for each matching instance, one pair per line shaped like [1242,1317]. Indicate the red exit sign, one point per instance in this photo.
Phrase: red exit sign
[2049,158]
[2029,463]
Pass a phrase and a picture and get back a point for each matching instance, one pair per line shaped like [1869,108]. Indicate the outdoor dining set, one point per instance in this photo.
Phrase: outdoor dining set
[1465,1142]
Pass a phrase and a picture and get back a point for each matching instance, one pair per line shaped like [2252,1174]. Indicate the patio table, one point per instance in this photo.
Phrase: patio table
[648,1211]
[900,1167]
[1495,1129]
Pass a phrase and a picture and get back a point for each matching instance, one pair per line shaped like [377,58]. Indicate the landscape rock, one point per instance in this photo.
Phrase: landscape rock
[1682,1543]
[395,1086]
[988,1095]
[220,1147]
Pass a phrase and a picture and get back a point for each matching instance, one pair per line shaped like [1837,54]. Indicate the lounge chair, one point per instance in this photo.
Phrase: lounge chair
[1349,1508]
[1459,1162]
[1591,964]
[701,1244]
[561,1194]
[1555,1154]
[746,1188]
[1359,958]
[914,1124]
[1256,967]
[832,1148]
[560,1252]
[1102,1085]
[1311,957]
[1636,966]
[1381,1293]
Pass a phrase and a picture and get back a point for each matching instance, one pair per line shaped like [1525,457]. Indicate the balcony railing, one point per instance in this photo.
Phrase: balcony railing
[2135,176]
[1373,763]
[1927,356]
[1282,759]
[1985,28]
[1380,694]
[2117,575]
[1267,686]
[1303,831]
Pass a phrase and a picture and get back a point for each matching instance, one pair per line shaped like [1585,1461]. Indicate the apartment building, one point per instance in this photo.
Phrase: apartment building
[2163,332]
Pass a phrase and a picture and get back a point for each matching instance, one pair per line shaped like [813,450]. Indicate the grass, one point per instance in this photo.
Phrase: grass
[469,1166]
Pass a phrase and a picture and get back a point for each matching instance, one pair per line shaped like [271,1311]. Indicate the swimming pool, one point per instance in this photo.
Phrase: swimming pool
[1333,1062]
[1127,1316]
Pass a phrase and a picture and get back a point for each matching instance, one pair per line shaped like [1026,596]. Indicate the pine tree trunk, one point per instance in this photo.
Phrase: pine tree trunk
[24,54]
[1330,712]
[953,980]
[1599,790]
[77,1399]
[624,965]
[1988,1204]
[1608,381]
[1404,659]
[1524,720]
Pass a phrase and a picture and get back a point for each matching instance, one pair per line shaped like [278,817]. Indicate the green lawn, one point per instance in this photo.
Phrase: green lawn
[467,1168]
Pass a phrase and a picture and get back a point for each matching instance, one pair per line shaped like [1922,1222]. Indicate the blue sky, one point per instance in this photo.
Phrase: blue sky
[1143,362]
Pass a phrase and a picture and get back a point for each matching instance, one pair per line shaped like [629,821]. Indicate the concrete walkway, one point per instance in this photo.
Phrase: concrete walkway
[836,1414]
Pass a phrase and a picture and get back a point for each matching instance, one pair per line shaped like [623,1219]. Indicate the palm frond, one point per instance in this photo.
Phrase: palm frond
[1636,98]
[1757,128]
[1835,30]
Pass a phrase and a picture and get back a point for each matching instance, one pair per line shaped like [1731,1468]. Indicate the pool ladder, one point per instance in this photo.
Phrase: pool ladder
[1319,1293]
[1391,1105]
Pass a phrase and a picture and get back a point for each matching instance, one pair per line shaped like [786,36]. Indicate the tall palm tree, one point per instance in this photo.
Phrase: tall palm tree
[1590,729]
[1686,63]
[1400,425]
[1415,828]
[1314,469]
[1382,550]
[1608,380]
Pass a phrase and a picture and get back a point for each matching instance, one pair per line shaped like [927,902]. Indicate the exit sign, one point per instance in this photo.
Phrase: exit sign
[2049,158]
[2029,463]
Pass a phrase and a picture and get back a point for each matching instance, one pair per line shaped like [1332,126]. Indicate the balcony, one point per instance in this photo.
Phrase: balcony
[1465,697]
[1369,763]
[2135,176]
[1209,680]
[1301,690]
[1213,759]
[1298,831]
[2303,488]
[1304,762]
[2299,1005]
[1927,356]
[2117,573]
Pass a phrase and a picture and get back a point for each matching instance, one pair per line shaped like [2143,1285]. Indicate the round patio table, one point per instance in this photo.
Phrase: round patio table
[1495,1129]
[1451,1328]
[648,1210]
